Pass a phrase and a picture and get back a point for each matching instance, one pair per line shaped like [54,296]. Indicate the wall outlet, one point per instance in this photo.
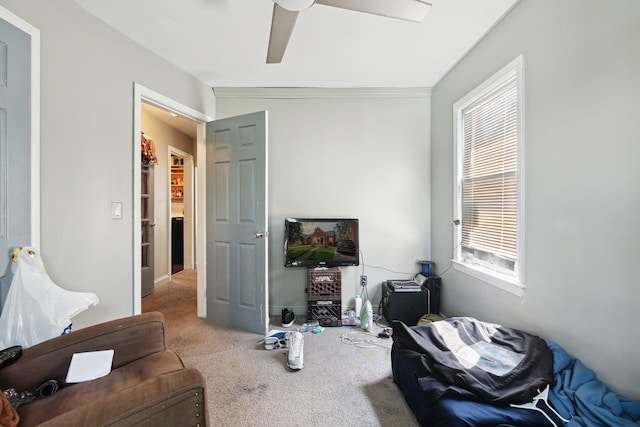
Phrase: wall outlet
[363,280]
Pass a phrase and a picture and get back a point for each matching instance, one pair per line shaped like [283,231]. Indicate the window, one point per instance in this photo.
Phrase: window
[489,191]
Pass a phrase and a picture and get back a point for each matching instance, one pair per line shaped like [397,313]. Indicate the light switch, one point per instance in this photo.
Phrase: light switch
[116,210]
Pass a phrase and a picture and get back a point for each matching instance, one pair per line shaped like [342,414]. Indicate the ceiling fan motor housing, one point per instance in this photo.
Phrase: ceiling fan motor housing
[295,5]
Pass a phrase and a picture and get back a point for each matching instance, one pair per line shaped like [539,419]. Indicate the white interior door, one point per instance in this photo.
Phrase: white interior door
[15,146]
[236,206]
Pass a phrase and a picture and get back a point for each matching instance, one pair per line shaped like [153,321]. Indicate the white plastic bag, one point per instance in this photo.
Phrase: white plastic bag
[36,309]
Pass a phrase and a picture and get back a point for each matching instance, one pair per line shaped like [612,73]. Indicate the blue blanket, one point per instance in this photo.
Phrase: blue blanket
[580,397]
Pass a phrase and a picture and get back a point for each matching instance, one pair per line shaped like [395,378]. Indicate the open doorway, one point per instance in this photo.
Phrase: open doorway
[181,210]
[168,231]
[187,121]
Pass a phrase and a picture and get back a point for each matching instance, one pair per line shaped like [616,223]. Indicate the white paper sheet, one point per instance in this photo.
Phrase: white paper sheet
[89,366]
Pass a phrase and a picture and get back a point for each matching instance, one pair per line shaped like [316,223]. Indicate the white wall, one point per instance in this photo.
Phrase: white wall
[88,71]
[582,80]
[361,154]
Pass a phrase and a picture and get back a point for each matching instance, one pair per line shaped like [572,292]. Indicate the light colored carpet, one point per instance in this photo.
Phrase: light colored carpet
[341,384]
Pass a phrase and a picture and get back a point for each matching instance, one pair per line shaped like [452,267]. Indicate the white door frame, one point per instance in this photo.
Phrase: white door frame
[34,33]
[140,94]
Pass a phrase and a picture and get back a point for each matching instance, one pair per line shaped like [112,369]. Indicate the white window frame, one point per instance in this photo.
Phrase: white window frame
[511,283]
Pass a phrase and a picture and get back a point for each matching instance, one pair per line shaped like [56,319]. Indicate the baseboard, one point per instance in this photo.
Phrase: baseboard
[162,280]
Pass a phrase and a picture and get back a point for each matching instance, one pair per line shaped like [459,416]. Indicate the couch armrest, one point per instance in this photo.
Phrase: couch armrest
[131,338]
[172,399]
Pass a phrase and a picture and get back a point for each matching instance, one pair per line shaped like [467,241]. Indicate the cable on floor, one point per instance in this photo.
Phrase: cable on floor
[370,341]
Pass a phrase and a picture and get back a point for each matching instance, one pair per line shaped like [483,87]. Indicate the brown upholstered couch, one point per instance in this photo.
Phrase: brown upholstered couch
[148,384]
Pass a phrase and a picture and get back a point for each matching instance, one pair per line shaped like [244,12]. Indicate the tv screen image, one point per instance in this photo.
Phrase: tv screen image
[321,242]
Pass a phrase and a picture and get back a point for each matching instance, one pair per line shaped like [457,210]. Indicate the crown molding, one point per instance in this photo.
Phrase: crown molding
[310,92]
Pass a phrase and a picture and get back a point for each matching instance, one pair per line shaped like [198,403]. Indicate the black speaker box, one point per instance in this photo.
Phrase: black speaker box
[409,306]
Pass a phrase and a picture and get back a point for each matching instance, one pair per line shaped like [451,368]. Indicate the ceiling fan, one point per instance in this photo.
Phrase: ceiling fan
[285,14]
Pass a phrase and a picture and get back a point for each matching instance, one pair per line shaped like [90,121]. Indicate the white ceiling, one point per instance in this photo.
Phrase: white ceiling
[224,42]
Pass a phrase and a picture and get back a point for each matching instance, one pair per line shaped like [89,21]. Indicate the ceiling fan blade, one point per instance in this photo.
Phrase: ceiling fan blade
[409,10]
[282,25]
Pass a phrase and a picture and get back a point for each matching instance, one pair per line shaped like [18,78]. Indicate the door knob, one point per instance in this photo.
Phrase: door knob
[16,251]
[153,224]
[14,254]
[258,234]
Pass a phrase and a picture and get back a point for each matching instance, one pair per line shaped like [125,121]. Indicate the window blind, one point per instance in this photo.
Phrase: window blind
[489,231]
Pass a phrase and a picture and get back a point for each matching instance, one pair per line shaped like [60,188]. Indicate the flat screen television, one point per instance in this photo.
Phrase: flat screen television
[315,242]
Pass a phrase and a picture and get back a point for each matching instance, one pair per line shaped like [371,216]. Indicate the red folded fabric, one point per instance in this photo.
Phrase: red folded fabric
[8,415]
